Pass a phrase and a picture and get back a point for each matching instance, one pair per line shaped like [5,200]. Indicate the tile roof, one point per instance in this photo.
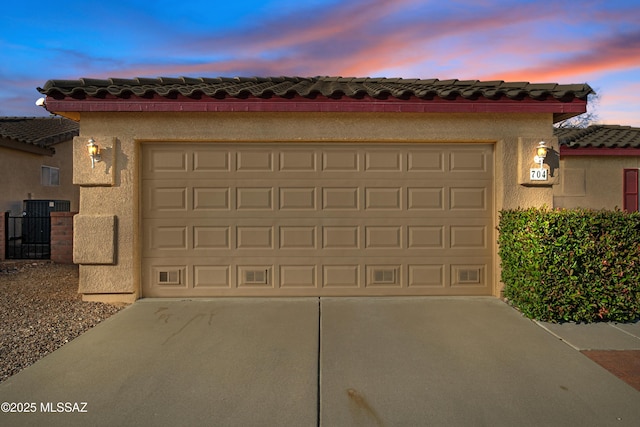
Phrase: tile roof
[599,136]
[310,87]
[42,132]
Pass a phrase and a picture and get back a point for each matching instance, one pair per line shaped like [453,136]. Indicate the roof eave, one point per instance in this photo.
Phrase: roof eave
[559,109]
[558,117]
[26,147]
[599,151]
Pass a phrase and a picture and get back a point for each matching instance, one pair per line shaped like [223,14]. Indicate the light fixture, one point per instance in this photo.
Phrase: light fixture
[94,152]
[541,153]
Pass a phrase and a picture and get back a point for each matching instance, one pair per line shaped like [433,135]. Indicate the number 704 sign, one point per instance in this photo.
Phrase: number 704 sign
[538,174]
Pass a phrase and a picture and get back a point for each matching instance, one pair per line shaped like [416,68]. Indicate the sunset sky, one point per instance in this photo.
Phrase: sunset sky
[597,42]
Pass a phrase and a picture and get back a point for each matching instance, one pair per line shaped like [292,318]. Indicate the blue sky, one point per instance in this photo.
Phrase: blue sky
[597,42]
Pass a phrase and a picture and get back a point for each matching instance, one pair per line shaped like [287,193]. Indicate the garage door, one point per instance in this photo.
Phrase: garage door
[316,219]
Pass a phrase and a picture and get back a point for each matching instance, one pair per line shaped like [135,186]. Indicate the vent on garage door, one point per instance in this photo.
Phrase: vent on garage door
[171,277]
[469,275]
[384,276]
[255,277]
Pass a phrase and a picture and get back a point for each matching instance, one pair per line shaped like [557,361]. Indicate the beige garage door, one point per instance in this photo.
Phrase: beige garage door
[316,219]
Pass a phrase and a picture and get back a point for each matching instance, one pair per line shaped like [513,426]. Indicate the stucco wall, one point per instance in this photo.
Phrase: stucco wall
[592,182]
[121,198]
[20,178]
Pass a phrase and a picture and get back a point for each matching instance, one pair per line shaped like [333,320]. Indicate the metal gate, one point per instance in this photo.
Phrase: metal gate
[28,237]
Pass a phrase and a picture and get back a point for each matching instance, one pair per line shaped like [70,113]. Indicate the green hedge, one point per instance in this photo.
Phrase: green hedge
[571,265]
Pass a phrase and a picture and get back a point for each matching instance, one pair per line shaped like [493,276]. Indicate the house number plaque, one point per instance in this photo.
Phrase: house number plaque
[538,174]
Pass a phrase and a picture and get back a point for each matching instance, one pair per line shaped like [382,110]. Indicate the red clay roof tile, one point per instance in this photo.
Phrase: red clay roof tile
[331,87]
[599,136]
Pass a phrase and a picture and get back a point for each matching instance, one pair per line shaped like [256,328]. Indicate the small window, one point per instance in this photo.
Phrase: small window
[50,176]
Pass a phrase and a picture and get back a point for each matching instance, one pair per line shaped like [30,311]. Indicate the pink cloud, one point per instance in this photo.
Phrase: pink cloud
[409,38]
[620,52]
[356,38]
[319,25]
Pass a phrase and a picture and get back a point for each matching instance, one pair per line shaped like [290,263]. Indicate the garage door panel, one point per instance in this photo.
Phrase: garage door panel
[425,198]
[211,161]
[341,237]
[303,276]
[469,161]
[211,198]
[335,276]
[254,237]
[426,237]
[215,237]
[385,160]
[383,198]
[254,198]
[468,237]
[383,237]
[259,160]
[467,198]
[295,237]
[298,160]
[169,237]
[340,198]
[163,200]
[215,277]
[432,162]
[297,198]
[255,276]
[168,199]
[426,276]
[340,276]
[167,160]
[342,160]
[388,276]
[426,161]
[468,275]
[294,219]
[163,236]
[169,275]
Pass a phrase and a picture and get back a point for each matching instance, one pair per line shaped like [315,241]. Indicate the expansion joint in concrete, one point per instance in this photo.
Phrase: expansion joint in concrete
[319,367]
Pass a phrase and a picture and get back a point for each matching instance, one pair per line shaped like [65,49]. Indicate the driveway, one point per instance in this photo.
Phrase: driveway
[309,361]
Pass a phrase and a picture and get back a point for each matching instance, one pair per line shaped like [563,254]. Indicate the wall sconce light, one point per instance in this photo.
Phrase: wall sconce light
[541,153]
[94,152]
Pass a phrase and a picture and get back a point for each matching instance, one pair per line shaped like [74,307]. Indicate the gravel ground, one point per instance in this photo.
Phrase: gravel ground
[40,311]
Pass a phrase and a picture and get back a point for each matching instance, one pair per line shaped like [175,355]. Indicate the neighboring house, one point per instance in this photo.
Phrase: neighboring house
[293,186]
[599,166]
[36,161]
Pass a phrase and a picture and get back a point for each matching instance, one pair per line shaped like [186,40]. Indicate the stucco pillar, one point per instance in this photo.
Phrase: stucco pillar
[102,245]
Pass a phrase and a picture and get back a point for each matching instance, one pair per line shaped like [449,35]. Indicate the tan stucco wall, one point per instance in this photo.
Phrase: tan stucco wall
[592,182]
[20,178]
[132,129]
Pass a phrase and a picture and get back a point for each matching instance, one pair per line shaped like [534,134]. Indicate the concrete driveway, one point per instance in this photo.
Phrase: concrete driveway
[309,361]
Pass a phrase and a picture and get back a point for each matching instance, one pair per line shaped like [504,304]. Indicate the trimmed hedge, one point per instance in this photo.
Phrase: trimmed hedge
[571,265]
